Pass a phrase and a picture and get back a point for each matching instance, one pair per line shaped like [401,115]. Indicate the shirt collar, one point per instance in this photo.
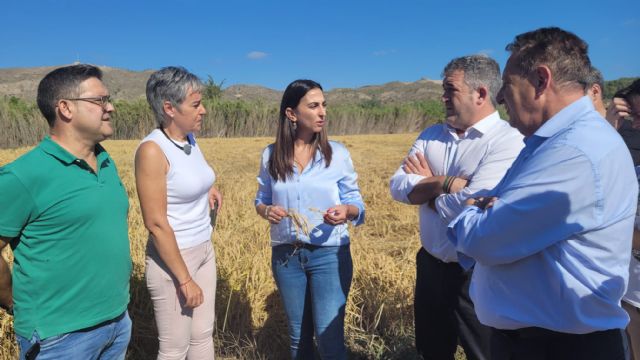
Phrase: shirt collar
[565,117]
[54,149]
[485,125]
[481,127]
[318,156]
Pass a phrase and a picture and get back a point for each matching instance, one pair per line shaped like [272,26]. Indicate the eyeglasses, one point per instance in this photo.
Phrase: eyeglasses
[102,101]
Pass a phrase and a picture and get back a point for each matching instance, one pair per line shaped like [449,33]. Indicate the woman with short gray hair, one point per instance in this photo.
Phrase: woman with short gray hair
[177,197]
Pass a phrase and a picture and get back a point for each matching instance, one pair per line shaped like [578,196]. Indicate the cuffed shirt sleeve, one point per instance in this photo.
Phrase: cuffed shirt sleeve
[401,183]
[263,195]
[349,190]
[486,176]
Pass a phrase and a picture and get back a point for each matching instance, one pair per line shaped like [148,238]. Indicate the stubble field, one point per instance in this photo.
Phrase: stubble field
[250,322]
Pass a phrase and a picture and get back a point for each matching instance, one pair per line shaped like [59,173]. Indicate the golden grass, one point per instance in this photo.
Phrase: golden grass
[250,322]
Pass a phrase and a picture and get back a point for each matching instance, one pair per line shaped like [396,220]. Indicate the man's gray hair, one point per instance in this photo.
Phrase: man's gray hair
[563,52]
[594,77]
[171,84]
[479,70]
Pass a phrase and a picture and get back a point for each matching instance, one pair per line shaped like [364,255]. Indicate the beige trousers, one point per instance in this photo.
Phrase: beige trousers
[183,332]
[633,330]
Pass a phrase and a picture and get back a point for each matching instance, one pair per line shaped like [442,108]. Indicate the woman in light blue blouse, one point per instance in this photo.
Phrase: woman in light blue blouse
[308,192]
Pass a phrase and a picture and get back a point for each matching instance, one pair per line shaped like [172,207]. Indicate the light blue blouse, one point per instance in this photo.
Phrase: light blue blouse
[309,195]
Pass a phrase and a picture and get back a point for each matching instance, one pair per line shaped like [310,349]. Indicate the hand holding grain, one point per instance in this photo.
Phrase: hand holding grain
[336,215]
[275,214]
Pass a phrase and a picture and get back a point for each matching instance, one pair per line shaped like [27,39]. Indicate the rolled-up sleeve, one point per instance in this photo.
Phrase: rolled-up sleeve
[263,196]
[349,190]
[401,183]
[486,176]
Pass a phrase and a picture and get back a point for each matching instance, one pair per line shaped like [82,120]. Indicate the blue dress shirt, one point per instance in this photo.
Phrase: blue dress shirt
[553,251]
[310,194]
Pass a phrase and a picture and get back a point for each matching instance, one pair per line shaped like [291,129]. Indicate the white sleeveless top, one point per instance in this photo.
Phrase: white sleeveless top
[188,182]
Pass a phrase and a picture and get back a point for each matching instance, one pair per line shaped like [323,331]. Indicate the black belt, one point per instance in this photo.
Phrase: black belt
[537,332]
[531,332]
[303,245]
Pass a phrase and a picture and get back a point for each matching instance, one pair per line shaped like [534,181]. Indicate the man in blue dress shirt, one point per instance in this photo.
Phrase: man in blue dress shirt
[551,242]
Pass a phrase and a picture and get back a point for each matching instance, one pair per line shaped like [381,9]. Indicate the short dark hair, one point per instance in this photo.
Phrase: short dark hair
[629,92]
[562,51]
[62,83]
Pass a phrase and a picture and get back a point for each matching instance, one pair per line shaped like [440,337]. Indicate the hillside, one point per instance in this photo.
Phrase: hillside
[126,84]
[23,82]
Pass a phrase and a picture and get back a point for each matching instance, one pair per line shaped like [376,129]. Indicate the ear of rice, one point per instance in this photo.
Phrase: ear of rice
[300,222]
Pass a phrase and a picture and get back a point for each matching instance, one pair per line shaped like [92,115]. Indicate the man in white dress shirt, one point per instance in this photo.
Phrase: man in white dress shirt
[449,163]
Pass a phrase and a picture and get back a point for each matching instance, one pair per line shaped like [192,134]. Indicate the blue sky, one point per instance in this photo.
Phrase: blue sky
[338,43]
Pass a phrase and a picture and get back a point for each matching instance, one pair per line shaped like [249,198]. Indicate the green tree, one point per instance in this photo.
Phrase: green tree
[212,89]
[612,86]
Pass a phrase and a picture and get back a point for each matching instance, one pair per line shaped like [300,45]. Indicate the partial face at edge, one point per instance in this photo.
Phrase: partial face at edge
[595,94]
[634,107]
[519,97]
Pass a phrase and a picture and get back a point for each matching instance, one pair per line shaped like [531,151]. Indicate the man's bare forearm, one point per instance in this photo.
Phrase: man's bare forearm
[426,190]
[636,239]
[6,293]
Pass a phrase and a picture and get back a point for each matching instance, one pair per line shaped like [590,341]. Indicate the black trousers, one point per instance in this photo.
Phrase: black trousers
[542,344]
[444,312]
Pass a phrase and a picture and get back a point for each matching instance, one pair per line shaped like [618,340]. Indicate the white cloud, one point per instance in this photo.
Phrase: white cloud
[257,55]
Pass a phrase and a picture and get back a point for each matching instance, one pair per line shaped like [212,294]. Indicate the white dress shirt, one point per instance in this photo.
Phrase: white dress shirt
[482,155]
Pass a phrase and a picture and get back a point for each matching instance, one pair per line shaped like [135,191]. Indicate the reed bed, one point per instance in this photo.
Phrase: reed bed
[250,322]
[23,125]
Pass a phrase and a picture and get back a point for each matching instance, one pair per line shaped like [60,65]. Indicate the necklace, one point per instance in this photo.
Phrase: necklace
[304,154]
[186,148]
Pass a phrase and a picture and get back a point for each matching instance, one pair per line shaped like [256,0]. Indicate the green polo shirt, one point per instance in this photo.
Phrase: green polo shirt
[71,248]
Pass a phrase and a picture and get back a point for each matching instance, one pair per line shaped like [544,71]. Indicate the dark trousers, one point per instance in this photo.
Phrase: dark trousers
[542,344]
[444,312]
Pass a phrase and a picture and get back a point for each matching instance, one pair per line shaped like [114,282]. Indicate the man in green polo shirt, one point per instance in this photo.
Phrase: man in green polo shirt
[64,213]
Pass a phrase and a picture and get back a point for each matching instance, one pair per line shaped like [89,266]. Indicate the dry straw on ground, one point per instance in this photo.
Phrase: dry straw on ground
[250,322]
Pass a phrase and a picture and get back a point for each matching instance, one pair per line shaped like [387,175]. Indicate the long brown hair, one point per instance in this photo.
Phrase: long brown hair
[281,158]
